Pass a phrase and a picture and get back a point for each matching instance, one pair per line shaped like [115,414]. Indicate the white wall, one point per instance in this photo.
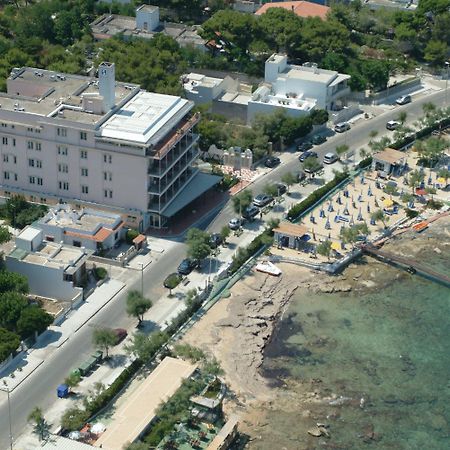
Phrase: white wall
[147,20]
[255,108]
[44,281]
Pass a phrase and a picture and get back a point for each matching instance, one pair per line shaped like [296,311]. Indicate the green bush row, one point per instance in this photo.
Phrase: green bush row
[315,196]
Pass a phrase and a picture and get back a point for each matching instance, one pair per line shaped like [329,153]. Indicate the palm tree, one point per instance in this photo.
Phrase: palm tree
[379,216]
[414,179]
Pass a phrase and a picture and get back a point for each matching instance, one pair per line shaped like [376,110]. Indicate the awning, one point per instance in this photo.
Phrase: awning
[198,185]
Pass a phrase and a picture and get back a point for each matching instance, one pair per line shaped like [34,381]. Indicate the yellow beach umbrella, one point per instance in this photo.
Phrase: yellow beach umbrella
[335,245]
[441,180]
[388,203]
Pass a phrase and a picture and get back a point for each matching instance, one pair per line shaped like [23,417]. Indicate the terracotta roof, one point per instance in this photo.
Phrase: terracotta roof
[291,229]
[390,156]
[301,9]
[100,236]
[138,239]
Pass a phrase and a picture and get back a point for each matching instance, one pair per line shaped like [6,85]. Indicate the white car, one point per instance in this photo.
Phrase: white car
[403,100]
[342,127]
[330,158]
[392,125]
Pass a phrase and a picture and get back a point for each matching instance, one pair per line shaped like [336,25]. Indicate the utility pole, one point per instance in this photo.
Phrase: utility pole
[7,390]
[142,279]
[447,64]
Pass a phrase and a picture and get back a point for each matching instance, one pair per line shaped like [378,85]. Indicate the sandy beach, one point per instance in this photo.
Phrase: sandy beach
[237,329]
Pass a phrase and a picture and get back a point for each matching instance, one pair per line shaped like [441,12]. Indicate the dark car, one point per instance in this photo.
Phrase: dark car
[305,155]
[318,139]
[304,146]
[281,187]
[120,334]
[262,200]
[215,240]
[250,212]
[187,266]
[272,161]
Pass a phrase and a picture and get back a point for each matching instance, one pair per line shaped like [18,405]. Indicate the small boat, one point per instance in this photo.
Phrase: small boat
[411,270]
[418,227]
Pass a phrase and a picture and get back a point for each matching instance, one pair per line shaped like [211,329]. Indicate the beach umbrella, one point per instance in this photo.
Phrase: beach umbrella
[346,193]
[411,204]
[346,211]
[327,225]
[351,221]
[311,218]
[430,181]
[336,219]
[329,235]
[368,208]
[339,200]
[330,207]
[359,198]
[372,221]
[322,213]
[342,228]
[360,217]
[377,184]
[362,179]
[313,234]
[369,192]
[353,204]
[376,203]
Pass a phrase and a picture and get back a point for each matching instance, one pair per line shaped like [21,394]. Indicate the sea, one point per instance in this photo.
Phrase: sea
[375,364]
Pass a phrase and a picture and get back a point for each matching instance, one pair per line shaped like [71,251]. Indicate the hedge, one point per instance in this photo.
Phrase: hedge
[315,196]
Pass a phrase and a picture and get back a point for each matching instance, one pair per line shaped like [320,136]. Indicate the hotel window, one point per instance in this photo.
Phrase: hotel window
[107,176]
[64,185]
[15,177]
[4,125]
[83,135]
[107,193]
[15,159]
[107,158]
[61,132]
[31,162]
[83,154]
[32,180]
[14,142]
[84,189]
[39,181]
[6,175]
[5,141]
[64,168]
[84,172]
[44,200]
[62,150]
[38,146]
[5,158]
[30,145]
[39,164]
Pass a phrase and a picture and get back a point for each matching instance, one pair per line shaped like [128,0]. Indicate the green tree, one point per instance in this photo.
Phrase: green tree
[5,235]
[138,446]
[33,320]
[342,150]
[311,164]
[11,281]
[270,189]
[324,249]
[197,242]
[11,306]
[390,189]
[225,233]
[172,281]
[74,419]
[41,426]
[242,200]
[289,179]
[137,305]
[319,116]
[402,115]
[379,216]
[414,179]
[104,338]
[146,346]
[436,52]
[9,342]
[73,380]
[432,149]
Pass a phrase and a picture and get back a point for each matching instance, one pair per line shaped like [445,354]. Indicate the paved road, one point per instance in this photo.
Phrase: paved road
[39,389]
[356,138]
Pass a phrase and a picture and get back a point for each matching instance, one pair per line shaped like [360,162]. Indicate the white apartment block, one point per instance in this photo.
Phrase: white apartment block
[99,143]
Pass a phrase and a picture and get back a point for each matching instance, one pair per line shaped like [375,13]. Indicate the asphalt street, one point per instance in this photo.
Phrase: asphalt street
[40,388]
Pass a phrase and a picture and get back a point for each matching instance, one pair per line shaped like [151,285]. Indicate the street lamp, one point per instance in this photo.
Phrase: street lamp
[447,64]
[142,279]
[7,390]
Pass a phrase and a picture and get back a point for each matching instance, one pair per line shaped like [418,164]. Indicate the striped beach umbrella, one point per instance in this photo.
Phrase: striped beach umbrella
[346,210]
[360,217]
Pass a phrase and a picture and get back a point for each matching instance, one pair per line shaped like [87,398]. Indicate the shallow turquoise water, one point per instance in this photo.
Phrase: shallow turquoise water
[390,347]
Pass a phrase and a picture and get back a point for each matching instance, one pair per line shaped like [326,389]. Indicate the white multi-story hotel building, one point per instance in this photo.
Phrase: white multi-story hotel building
[99,143]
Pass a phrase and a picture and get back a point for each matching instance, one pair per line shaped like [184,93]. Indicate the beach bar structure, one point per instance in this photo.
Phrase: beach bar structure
[132,418]
[290,235]
[389,161]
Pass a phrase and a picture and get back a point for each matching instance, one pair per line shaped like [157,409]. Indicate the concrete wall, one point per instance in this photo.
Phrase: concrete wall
[147,20]
[255,108]
[44,281]
[230,110]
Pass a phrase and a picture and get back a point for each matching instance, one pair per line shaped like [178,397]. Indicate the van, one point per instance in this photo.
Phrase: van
[330,158]
[341,127]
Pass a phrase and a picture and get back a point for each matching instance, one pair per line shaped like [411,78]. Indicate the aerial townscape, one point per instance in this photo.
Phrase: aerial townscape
[224,224]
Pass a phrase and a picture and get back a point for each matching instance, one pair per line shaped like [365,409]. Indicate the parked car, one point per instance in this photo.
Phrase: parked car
[281,187]
[330,158]
[342,127]
[318,139]
[304,146]
[215,240]
[235,224]
[392,125]
[250,212]
[305,155]
[187,266]
[262,200]
[272,161]
[121,334]
[300,176]
[403,100]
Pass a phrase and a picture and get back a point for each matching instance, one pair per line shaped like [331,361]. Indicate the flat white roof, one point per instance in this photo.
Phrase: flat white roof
[29,233]
[142,117]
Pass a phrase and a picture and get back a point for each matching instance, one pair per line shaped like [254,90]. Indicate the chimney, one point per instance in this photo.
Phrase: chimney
[107,84]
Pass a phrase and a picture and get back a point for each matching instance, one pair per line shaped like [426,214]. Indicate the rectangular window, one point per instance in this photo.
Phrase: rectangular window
[44,200]
[30,145]
[64,168]
[39,164]
[14,142]
[61,132]
[38,146]
[107,176]
[84,172]
[32,180]
[64,185]
[5,158]
[5,141]
[4,125]
[62,150]
[39,181]
[15,177]
[76,243]
[30,129]
[83,135]
[107,158]
[6,175]
[15,159]
[83,154]
[85,189]
[31,162]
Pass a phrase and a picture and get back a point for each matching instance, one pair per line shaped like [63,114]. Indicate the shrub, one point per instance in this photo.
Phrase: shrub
[366,162]
[410,213]
[74,419]
[434,204]
[131,234]
[100,273]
